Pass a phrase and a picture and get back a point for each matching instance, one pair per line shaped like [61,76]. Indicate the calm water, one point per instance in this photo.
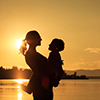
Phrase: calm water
[67,90]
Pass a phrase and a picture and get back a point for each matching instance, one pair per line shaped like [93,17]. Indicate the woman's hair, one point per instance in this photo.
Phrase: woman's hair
[58,44]
[31,35]
[23,47]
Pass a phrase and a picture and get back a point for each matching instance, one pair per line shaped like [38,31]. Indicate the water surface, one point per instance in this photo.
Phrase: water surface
[67,90]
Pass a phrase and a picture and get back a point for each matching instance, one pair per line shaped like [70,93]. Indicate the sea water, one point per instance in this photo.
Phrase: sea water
[67,90]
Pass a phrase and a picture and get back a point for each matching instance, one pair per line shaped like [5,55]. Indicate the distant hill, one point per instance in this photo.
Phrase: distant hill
[94,73]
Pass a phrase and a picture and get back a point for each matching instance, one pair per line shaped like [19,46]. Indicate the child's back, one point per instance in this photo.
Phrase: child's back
[55,70]
[55,65]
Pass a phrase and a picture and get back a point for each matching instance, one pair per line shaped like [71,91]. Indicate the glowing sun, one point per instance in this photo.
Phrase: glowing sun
[19,43]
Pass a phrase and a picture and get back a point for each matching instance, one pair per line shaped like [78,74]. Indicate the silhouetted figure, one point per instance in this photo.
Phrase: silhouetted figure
[39,82]
[55,69]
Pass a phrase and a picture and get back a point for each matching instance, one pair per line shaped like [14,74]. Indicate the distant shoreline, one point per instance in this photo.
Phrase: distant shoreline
[93,77]
[88,77]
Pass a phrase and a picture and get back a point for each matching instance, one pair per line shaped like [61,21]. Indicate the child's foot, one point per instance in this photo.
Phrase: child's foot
[25,88]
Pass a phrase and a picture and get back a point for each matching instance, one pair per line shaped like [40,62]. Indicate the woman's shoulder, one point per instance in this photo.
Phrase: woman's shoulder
[27,54]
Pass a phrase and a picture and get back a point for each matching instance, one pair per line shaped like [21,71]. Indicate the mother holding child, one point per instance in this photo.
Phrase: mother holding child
[46,72]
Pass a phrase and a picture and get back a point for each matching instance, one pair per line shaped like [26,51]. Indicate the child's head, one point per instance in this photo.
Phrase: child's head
[56,45]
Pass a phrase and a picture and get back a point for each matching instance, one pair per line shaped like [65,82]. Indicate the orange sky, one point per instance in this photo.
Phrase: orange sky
[77,22]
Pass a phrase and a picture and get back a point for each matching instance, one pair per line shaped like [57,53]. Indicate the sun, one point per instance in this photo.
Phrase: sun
[19,43]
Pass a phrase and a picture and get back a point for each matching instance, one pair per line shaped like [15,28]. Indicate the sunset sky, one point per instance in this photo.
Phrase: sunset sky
[77,22]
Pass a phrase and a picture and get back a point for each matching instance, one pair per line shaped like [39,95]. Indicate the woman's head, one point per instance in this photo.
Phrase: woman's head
[33,38]
[56,44]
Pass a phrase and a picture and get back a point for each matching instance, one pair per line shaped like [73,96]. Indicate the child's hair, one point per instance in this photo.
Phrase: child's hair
[58,43]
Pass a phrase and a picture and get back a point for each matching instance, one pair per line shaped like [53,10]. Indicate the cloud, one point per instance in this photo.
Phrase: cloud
[93,50]
[85,65]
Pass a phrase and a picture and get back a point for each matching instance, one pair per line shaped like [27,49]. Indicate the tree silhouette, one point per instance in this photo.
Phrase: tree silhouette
[14,73]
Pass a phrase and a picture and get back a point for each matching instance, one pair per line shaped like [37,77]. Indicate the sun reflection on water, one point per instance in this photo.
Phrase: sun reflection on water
[19,82]
[20,95]
[18,87]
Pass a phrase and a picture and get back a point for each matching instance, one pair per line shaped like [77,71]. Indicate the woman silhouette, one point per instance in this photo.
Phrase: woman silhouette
[39,82]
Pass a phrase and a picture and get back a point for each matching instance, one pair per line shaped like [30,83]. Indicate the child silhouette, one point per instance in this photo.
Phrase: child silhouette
[55,63]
